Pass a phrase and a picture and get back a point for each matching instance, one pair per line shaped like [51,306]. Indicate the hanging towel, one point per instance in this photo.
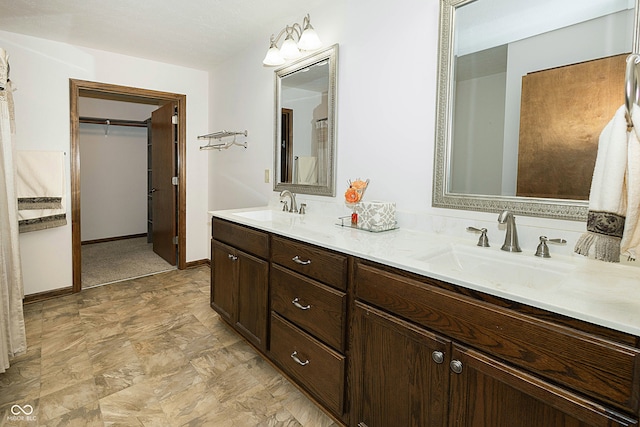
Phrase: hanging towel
[630,245]
[40,190]
[607,198]
[307,170]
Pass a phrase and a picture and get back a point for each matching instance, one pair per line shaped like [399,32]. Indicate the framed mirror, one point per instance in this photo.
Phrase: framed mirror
[305,123]
[525,88]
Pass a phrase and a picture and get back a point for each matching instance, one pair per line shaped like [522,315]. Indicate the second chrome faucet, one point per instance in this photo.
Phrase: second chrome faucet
[294,207]
[511,237]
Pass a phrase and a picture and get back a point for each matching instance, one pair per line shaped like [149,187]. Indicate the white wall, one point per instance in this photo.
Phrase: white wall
[40,70]
[386,105]
[386,119]
[113,176]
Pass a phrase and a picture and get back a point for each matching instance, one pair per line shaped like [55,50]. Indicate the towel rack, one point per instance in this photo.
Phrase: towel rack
[221,135]
[631,88]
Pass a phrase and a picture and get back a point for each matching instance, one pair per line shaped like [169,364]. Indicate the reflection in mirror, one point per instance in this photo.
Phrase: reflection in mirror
[304,145]
[524,90]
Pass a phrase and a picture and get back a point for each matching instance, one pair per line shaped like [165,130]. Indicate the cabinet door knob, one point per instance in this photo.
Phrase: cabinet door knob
[296,302]
[297,260]
[295,357]
[437,356]
[456,366]
[232,257]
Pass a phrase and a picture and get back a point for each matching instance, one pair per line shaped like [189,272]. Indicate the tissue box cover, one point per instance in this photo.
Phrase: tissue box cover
[376,215]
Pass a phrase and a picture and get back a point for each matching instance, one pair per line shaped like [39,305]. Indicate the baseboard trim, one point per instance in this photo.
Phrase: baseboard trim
[198,263]
[46,295]
[55,293]
[113,239]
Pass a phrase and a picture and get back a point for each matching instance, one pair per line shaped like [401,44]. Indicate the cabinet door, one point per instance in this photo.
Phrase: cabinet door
[400,374]
[486,392]
[252,306]
[224,279]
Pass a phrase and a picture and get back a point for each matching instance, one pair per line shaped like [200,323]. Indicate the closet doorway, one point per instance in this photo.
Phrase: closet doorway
[167,149]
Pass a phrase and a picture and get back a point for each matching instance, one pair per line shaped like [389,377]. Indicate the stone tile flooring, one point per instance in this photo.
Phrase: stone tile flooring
[144,352]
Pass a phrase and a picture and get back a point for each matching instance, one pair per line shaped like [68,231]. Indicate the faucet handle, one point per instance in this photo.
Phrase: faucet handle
[303,208]
[483,240]
[285,205]
[543,250]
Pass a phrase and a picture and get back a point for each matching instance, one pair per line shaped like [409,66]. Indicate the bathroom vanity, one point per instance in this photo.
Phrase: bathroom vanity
[383,329]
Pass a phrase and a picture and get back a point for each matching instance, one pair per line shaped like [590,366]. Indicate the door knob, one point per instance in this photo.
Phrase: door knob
[437,356]
[456,366]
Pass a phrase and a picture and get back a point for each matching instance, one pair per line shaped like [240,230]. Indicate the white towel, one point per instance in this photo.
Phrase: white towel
[40,179]
[307,170]
[40,190]
[630,245]
[607,204]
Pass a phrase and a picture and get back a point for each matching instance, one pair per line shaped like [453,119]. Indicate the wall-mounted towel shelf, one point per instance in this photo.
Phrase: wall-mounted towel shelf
[219,136]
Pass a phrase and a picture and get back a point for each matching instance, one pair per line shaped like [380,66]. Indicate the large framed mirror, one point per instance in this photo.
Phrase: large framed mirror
[305,124]
[525,88]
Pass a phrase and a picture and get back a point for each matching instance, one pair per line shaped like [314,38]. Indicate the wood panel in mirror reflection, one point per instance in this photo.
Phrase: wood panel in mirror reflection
[562,114]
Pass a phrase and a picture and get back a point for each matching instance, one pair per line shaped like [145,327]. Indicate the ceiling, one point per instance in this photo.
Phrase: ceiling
[195,33]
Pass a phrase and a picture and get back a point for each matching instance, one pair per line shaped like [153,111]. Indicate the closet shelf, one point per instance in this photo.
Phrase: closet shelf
[219,136]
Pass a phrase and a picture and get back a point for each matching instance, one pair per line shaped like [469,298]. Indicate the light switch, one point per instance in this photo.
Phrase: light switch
[267,175]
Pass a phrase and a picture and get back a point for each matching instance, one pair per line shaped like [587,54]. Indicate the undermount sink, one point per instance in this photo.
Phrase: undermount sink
[503,271]
[263,215]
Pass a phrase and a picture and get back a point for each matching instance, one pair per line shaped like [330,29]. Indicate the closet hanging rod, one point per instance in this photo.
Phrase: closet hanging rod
[112,122]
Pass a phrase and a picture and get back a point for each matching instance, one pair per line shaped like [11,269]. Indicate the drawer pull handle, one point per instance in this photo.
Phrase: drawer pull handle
[232,257]
[296,302]
[295,357]
[297,260]
[456,366]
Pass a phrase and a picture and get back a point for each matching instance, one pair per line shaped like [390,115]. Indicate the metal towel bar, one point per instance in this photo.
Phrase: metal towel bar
[631,88]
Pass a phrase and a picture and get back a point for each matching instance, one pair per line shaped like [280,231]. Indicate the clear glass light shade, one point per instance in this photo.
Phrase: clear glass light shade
[309,39]
[290,49]
[273,57]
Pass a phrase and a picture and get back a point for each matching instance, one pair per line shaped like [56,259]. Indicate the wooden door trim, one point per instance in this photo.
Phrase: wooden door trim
[85,88]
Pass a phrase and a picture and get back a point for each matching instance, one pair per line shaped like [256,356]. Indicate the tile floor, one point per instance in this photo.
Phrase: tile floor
[145,352]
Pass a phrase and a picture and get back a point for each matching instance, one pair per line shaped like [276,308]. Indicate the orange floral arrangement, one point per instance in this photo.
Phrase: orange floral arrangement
[356,190]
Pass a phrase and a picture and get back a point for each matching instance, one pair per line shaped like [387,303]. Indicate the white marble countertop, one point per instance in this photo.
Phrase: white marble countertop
[602,293]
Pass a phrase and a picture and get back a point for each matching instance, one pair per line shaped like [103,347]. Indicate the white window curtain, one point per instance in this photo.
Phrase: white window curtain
[12,331]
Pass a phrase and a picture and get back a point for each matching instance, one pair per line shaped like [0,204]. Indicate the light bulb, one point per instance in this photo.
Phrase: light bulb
[273,57]
[309,39]
[289,48]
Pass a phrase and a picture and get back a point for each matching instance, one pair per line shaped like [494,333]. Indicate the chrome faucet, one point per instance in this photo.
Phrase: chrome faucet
[292,196]
[511,237]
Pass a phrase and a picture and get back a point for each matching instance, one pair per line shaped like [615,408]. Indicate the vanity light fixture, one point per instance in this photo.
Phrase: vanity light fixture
[307,40]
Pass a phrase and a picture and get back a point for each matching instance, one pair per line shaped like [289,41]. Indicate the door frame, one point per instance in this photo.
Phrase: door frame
[107,91]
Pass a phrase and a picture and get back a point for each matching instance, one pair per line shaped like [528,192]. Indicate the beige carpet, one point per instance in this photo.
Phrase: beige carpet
[110,262]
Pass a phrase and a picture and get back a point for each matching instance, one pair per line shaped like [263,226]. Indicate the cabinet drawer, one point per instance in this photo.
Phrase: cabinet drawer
[320,264]
[246,239]
[318,368]
[592,365]
[314,307]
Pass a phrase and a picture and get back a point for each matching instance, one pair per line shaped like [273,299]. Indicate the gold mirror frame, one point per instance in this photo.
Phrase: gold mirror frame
[537,207]
[330,54]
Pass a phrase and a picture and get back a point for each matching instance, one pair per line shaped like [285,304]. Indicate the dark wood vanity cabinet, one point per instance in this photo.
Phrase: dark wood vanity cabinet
[308,319]
[398,374]
[429,356]
[240,279]
[378,347]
